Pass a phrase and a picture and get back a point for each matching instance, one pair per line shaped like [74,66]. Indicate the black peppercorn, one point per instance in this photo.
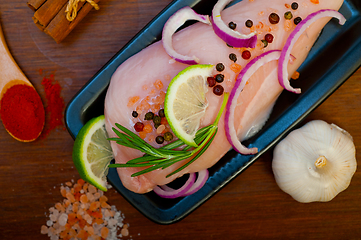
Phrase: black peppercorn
[220,67]
[218,90]
[233,57]
[297,20]
[157,119]
[149,116]
[249,23]
[232,25]
[294,6]
[161,113]
[219,78]
[134,114]
[159,139]
[273,18]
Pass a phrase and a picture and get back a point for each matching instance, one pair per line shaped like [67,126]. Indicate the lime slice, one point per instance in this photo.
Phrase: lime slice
[92,152]
[186,102]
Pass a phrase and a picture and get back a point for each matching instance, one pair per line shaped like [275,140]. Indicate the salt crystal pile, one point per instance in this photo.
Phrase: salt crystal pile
[84,214]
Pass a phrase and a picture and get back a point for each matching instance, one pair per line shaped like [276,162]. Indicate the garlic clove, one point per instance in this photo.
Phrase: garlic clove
[315,162]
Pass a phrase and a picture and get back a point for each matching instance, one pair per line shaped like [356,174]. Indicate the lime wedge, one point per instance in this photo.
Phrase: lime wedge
[92,152]
[186,102]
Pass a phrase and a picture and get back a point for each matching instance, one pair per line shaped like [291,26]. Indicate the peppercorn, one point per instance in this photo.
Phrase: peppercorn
[232,25]
[233,57]
[161,113]
[156,125]
[297,20]
[294,6]
[218,90]
[219,78]
[134,114]
[273,18]
[168,136]
[288,15]
[157,119]
[229,45]
[149,116]
[220,67]
[249,23]
[265,43]
[268,37]
[138,126]
[211,81]
[159,139]
[246,54]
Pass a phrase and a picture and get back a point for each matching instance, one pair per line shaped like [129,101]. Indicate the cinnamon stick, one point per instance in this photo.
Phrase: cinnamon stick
[60,27]
[47,12]
[35,4]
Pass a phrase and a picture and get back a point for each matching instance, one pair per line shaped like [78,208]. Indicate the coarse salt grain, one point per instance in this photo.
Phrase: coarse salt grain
[76,218]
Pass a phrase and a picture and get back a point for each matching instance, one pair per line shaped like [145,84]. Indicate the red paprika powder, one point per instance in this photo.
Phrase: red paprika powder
[54,104]
[22,112]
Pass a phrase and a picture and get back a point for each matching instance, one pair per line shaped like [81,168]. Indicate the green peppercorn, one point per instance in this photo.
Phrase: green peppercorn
[156,125]
[233,57]
[294,6]
[297,20]
[168,136]
[273,18]
[288,15]
[220,67]
[149,116]
[265,43]
[157,119]
[161,113]
[232,25]
[134,114]
[249,23]
[159,139]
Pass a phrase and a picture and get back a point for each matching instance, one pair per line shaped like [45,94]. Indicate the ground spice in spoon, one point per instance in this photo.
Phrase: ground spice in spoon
[22,112]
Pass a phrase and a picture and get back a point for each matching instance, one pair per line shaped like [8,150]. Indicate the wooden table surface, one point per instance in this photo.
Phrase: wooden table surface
[250,207]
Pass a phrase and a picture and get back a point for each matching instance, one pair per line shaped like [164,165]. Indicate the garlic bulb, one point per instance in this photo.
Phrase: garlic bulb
[315,162]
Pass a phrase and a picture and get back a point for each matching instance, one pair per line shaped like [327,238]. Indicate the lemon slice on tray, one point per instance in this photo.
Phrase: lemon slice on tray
[92,152]
[185,101]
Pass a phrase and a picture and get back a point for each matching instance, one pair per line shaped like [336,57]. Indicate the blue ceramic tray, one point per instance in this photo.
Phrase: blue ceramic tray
[334,57]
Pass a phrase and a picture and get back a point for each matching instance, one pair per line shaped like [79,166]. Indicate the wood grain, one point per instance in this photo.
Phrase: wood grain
[250,207]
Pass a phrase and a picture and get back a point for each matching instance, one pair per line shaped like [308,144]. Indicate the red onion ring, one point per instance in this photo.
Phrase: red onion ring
[178,192]
[293,37]
[231,37]
[241,81]
[190,187]
[171,26]
[199,183]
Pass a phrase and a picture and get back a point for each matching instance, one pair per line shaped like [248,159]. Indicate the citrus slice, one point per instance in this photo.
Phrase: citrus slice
[92,152]
[185,101]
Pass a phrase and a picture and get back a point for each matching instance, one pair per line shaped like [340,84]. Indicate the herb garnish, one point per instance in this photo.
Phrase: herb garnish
[163,157]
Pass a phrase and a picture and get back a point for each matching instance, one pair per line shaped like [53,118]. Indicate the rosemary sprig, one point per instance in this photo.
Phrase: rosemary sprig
[163,157]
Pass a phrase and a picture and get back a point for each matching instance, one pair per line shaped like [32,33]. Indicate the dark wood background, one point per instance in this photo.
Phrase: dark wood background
[250,207]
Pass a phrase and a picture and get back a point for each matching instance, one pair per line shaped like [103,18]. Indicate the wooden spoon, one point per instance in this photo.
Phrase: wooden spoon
[16,92]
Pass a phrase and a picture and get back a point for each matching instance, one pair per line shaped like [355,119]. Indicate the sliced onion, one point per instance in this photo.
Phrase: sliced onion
[231,37]
[291,40]
[190,187]
[171,26]
[199,183]
[241,81]
[178,192]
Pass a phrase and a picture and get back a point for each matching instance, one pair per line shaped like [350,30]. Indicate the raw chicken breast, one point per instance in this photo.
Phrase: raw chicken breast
[140,83]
